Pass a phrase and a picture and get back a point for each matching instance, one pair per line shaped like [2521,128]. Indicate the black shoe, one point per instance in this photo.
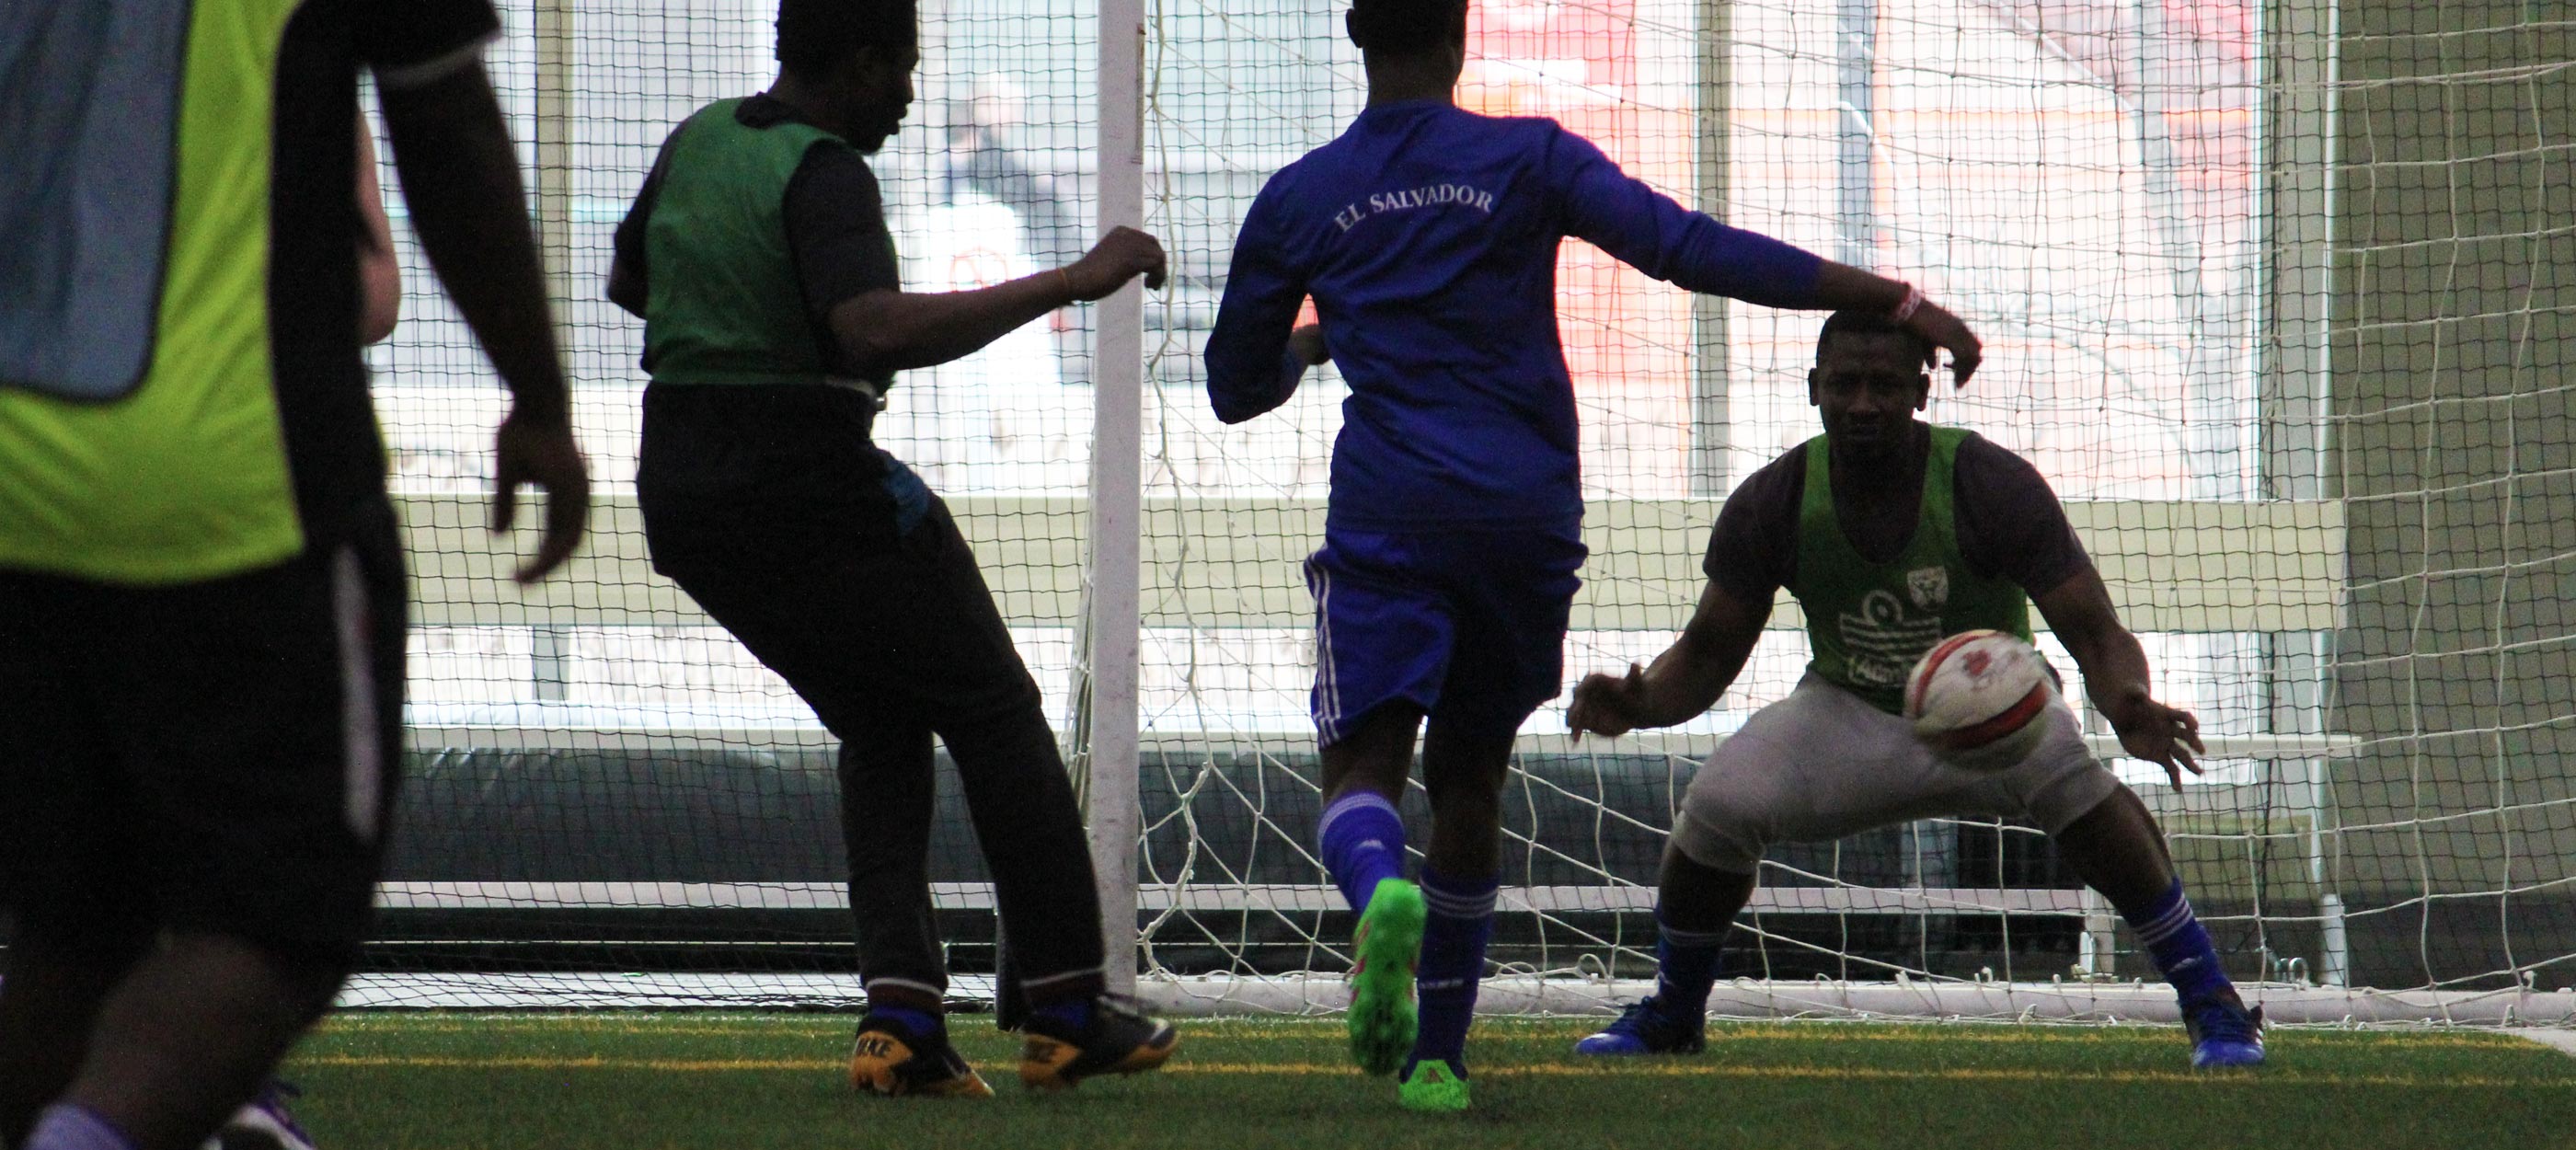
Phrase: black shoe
[1119,1039]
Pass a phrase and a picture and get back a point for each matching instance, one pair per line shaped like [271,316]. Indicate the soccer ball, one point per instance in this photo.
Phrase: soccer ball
[1977,699]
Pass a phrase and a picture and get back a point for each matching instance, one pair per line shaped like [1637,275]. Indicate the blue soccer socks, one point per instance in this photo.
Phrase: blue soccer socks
[1685,967]
[1674,1019]
[2178,944]
[1362,841]
[1454,934]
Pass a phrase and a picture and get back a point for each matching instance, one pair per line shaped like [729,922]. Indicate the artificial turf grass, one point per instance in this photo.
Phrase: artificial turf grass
[613,1079]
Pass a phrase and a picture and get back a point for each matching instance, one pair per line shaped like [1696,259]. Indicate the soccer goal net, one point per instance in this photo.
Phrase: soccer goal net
[2272,292]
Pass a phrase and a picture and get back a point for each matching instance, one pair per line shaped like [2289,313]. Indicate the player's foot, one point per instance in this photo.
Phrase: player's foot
[1434,1085]
[1386,944]
[890,1059]
[1116,1038]
[2223,1032]
[1644,1028]
[265,1124]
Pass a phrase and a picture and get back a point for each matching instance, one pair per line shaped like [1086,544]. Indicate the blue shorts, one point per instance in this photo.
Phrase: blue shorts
[1468,627]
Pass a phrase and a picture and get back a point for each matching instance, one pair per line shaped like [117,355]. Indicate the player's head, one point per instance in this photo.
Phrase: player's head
[1425,31]
[1869,379]
[855,55]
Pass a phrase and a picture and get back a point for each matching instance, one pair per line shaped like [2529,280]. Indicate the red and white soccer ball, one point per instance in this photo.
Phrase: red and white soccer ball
[1979,698]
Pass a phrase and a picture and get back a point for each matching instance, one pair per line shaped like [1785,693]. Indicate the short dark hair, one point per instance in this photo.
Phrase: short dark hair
[814,35]
[1406,27]
[1853,321]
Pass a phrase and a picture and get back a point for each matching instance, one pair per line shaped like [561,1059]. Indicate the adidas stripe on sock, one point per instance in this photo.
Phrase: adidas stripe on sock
[1362,841]
[1460,922]
[2177,943]
[1685,967]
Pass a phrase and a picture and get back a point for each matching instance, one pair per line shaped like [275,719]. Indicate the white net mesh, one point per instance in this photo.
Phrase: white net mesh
[2173,224]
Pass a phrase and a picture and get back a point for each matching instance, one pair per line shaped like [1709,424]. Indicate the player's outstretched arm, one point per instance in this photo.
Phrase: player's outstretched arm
[2115,675]
[1647,230]
[461,179]
[889,331]
[1683,681]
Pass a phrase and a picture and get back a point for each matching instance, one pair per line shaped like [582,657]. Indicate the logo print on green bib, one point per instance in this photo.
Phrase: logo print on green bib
[1885,639]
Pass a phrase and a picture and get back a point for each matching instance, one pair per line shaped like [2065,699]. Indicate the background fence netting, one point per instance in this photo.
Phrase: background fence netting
[2273,293]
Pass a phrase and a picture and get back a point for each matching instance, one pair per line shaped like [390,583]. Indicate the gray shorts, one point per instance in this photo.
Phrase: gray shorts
[1822,764]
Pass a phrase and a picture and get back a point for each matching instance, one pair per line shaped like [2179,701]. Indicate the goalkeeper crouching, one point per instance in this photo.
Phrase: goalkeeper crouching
[758,255]
[1427,236]
[1893,533]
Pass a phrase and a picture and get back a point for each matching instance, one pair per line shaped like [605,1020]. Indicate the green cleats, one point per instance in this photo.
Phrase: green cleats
[1432,1086]
[1387,942]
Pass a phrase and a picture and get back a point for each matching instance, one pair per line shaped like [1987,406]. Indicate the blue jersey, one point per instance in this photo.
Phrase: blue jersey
[1428,236]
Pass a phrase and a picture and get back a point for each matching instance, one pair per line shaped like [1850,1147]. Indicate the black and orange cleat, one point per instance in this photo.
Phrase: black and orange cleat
[889,1060]
[1117,1038]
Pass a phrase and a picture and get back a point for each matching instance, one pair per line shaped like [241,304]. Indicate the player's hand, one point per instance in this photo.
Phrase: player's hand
[541,453]
[1604,705]
[1935,323]
[2166,736]
[1120,256]
[1308,343]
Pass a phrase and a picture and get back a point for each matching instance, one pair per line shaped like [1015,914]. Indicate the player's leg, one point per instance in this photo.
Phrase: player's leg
[1729,818]
[888,803]
[80,910]
[1512,594]
[192,1031]
[2118,850]
[2112,842]
[1360,837]
[1382,643]
[1464,772]
[1695,906]
[255,804]
[957,666]
[1813,767]
[798,619]
[62,966]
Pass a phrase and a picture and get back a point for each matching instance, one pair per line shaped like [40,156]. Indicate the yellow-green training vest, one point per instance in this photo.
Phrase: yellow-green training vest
[1868,623]
[155,455]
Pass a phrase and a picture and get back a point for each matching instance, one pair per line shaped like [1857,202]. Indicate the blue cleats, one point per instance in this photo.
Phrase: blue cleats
[2224,1034]
[1644,1029]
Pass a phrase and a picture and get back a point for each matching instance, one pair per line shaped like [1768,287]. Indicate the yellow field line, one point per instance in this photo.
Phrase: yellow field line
[1623,1070]
[1994,1034]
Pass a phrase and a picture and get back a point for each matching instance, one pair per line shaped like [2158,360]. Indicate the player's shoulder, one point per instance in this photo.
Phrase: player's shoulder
[1783,477]
[1977,453]
[1789,464]
[1985,471]
[1542,135]
[1283,188]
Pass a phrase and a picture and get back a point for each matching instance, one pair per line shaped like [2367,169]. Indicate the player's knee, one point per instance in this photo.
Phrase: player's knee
[1726,818]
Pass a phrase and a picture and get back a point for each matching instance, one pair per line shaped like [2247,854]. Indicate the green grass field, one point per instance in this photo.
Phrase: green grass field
[395,1081]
